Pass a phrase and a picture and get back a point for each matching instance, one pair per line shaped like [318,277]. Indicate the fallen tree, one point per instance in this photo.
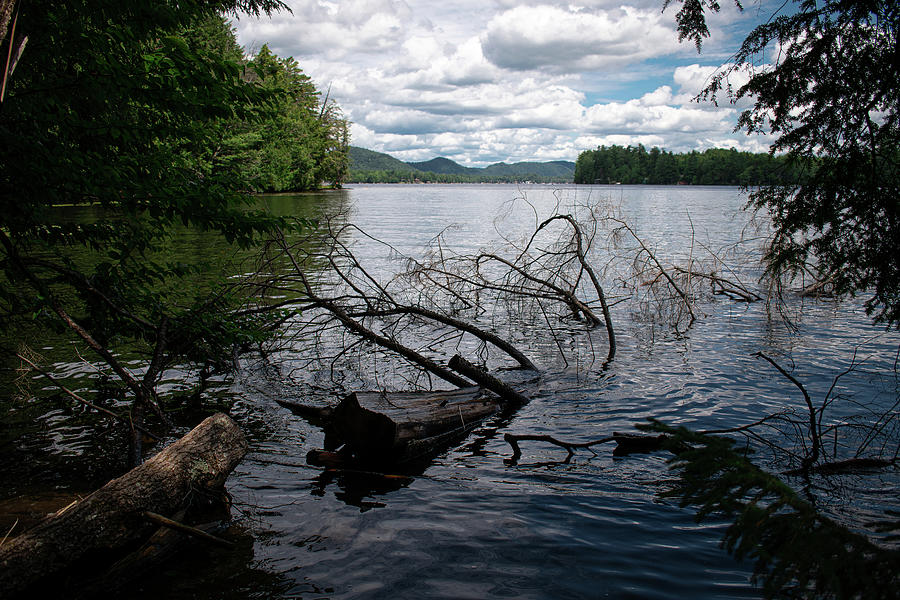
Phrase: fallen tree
[88,535]
[431,307]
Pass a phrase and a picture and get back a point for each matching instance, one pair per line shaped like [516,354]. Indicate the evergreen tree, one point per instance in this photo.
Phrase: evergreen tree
[831,99]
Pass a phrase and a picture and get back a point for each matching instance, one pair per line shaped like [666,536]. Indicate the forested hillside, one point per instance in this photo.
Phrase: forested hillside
[606,164]
[362,159]
[367,166]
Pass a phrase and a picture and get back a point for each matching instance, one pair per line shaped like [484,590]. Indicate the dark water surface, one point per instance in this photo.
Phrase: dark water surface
[473,526]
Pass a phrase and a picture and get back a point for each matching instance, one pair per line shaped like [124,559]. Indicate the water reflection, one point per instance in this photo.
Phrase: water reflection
[468,525]
[360,488]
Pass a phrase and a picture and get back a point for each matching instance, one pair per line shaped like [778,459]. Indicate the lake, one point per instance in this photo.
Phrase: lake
[472,525]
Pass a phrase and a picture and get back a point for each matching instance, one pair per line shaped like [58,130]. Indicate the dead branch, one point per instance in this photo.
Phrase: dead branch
[582,260]
[486,380]
[78,398]
[570,447]
[626,443]
[721,286]
[461,325]
[438,303]
[335,289]
[813,430]
[192,531]
[662,270]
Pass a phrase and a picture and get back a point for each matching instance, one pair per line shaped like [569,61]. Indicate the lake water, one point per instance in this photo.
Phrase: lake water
[473,526]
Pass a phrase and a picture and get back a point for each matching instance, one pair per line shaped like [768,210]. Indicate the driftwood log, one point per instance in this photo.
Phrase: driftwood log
[91,533]
[374,429]
[403,426]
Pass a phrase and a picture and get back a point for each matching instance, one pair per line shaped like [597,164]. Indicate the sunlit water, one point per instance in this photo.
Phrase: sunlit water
[473,526]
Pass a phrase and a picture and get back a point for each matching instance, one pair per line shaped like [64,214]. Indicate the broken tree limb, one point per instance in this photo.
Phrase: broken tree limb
[364,332]
[663,271]
[97,528]
[478,332]
[813,455]
[582,260]
[626,443]
[513,441]
[733,289]
[316,415]
[487,381]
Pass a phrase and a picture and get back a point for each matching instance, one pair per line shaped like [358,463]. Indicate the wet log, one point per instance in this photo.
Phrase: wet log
[509,395]
[91,533]
[317,415]
[627,443]
[402,426]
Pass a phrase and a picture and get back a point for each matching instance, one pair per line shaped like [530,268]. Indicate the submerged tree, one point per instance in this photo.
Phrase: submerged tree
[823,79]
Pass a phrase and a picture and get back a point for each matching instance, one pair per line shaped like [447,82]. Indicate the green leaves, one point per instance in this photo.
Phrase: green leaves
[114,138]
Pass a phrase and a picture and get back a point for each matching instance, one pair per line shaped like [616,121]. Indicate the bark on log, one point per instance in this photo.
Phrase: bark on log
[87,534]
[393,426]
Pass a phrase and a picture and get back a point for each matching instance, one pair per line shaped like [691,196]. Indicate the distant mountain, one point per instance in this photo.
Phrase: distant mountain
[444,166]
[556,168]
[363,160]
[369,160]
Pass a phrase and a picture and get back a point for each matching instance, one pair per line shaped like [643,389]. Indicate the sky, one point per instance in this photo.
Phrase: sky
[487,81]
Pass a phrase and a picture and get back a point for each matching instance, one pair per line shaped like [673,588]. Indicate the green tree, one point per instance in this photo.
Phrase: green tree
[301,143]
[118,106]
[827,89]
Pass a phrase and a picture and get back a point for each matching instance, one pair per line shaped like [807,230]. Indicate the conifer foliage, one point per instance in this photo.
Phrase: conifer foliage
[824,80]
[797,551]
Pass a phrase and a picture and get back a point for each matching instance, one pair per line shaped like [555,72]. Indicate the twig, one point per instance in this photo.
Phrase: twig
[198,533]
[3,541]
[811,458]
[87,403]
[665,273]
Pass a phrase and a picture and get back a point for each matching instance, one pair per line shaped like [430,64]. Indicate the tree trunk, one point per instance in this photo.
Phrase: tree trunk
[89,534]
[405,425]
[6,12]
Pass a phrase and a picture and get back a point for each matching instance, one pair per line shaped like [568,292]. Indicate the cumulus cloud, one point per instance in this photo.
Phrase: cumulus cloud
[506,80]
[693,79]
[649,114]
[332,29]
[571,39]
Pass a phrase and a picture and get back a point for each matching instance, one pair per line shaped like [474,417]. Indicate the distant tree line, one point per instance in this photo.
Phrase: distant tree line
[413,176]
[634,164]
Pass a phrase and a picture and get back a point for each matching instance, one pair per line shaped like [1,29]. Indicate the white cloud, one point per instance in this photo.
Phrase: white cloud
[502,80]
[693,79]
[332,29]
[574,39]
[636,118]
[661,96]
